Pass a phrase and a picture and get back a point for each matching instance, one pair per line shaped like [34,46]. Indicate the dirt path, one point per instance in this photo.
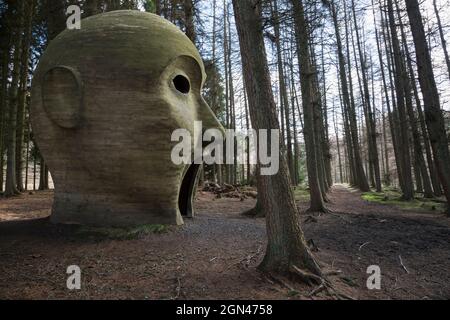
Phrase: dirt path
[366,233]
[216,254]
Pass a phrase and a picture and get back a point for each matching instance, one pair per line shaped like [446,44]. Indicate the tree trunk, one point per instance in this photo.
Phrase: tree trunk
[5,47]
[341,178]
[90,8]
[441,35]
[217,167]
[387,177]
[321,147]
[307,88]
[22,100]
[399,76]
[189,20]
[43,175]
[27,155]
[392,115]
[56,17]
[247,126]
[158,10]
[233,169]
[282,86]
[424,182]
[227,85]
[349,111]
[287,250]
[370,118]
[11,182]
[325,124]
[432,107]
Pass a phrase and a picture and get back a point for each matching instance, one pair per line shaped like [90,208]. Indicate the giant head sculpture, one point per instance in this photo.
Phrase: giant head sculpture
[105,101]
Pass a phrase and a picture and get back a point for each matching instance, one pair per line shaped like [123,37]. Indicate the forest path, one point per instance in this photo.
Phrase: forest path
[412,248]
[215,255]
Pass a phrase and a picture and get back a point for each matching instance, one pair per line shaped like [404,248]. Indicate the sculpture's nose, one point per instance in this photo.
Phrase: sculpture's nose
[205,114]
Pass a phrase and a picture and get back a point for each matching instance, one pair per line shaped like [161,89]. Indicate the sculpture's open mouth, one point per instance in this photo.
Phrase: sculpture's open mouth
[186,195]
[187,189]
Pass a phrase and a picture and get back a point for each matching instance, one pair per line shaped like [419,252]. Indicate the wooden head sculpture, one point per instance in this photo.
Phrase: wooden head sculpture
[105,101]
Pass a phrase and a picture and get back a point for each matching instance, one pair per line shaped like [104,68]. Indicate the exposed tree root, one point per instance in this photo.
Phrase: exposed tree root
[326,200]
[254,213]
[14,193]
[318,211]
[317,290]
[321,283]
[333,273]
[305,276]
[339,215]
[330,290]
[310,219]
[312,245]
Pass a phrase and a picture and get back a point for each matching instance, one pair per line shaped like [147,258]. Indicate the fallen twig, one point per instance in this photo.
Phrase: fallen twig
[401,263]
[337,214]
[306,276]
[333,273]
[317,290]
[250,257]
[177,289]
[310,219]
[363,245]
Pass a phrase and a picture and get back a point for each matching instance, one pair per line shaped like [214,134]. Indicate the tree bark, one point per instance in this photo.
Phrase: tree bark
[11,181]
[349,110]
[158,10]
[392,115]
[282,85]
[5,46]
[308,94]
[399,76]
[287,250]
[424,181]
[189,20]
[370,118]
[56,17]
[90,8]
[433,114]
[22,99]
[442,37]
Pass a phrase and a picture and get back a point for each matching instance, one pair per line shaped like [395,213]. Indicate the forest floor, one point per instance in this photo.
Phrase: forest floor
[215,255]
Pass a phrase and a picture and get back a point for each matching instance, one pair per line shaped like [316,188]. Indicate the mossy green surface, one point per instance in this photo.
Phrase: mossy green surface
[293,293]
[301,193]
[393,197]
[104,105]
[121,233]
[350,281]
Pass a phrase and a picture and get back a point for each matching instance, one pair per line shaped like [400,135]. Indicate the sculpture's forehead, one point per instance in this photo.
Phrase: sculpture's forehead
[121,39]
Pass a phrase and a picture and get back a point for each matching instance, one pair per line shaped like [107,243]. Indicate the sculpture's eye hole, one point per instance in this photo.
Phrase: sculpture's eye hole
[182,84]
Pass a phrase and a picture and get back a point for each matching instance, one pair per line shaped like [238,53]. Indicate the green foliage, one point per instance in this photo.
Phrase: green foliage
[122,233]
[293,293]
[393,197]
[301,163]
[149,6]
[301,193]
[350,281]
[34,155]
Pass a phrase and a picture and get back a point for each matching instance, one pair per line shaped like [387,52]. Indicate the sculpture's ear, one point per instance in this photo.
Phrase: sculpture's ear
[62,96]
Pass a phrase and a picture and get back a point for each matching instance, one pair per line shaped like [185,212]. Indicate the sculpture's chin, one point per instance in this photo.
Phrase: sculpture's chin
[187,190]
